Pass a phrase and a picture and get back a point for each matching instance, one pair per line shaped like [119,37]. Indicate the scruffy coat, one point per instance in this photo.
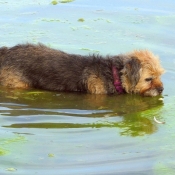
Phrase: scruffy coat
[38,66]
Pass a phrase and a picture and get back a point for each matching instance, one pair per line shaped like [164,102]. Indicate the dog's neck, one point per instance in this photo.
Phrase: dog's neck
[117,81]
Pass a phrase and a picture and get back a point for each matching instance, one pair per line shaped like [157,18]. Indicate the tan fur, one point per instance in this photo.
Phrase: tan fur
[12,79]
[95,85]
[149,61]
[150,68]
[126,84]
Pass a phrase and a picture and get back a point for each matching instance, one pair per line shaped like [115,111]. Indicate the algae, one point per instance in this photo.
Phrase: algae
[81,20]
[54,2]
[3,152]
[6,142]
[51,155]
[51,20]
[66,1]
[11,169]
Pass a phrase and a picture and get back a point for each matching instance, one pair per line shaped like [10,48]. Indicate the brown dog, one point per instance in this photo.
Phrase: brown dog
[37,66]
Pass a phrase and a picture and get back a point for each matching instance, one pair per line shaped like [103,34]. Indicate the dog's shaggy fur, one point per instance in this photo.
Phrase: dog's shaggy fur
[37,66]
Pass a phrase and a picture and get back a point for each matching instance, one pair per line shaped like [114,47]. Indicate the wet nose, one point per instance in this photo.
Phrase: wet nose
[160,89]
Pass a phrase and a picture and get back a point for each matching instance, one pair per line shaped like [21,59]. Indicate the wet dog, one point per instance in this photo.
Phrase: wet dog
[37,66]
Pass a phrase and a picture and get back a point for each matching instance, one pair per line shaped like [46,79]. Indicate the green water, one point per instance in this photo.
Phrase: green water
[72,133]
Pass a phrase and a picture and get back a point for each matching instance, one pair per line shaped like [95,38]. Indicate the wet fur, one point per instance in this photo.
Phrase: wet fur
[37,66]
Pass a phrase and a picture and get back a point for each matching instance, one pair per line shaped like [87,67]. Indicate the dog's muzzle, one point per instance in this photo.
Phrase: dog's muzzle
[160,89]
[153,92]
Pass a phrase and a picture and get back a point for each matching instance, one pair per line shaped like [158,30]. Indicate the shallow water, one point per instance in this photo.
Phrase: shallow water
[70,133]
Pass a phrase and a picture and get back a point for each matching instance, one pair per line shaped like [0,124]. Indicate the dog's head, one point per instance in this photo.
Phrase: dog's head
[141,74]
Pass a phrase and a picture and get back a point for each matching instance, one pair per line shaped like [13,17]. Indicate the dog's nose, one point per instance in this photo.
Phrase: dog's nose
[160,89]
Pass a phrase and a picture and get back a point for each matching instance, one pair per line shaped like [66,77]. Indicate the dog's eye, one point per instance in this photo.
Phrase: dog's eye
[148,79]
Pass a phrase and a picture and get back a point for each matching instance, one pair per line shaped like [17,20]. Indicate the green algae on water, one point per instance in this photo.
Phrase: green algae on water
[51,155]
[50,20]
[54,2]
[86,49]
[3,152]
[81,20]
[5,142]
[66,1]
[11,169]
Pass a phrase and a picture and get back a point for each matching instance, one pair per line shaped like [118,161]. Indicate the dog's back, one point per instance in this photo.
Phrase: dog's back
[3,51]
[37,66]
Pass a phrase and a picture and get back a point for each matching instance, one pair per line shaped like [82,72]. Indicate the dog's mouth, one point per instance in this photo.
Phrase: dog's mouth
[153,92]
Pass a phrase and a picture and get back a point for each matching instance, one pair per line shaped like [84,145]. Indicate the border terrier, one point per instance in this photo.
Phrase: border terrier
[38,66]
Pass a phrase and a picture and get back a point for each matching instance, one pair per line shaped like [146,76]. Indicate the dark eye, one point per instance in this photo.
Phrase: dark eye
[148,79]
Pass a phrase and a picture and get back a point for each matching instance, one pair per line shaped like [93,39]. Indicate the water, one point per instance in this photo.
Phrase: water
[72,133]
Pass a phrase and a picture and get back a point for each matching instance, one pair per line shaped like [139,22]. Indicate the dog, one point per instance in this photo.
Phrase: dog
[38,66]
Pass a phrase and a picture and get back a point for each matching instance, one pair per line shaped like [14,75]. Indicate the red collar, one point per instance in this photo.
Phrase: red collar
[117,82]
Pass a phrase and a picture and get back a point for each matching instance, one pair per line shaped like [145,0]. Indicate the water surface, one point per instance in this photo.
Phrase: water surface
[71,133]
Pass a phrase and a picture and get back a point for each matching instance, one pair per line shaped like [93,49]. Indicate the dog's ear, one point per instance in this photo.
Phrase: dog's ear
[131,70]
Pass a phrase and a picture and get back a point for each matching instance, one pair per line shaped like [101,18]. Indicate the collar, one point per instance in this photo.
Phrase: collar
[117,81]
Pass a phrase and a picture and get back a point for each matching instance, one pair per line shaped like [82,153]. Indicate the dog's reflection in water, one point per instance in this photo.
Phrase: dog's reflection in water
[133,114]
